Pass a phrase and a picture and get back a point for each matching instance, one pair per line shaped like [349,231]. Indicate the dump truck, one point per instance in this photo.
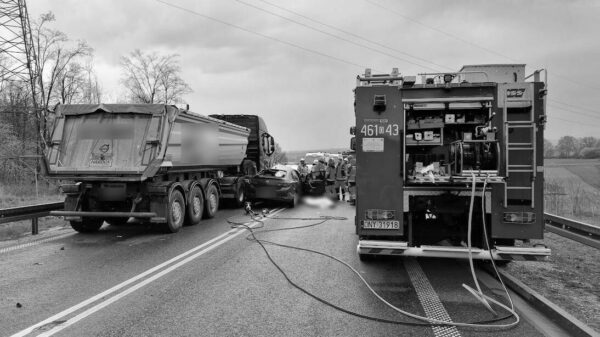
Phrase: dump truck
[451,165]
[260,147]
[144,163]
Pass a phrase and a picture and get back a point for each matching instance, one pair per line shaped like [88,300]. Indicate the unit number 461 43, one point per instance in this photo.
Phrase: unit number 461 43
[380,130]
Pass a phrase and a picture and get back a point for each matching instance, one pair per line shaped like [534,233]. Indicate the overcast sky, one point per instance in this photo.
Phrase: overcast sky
[300,80]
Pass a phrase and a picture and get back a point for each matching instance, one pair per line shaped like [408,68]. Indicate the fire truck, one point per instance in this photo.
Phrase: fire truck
[451,164]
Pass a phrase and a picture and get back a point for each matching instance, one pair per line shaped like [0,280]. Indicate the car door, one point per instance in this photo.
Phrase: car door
[295,177]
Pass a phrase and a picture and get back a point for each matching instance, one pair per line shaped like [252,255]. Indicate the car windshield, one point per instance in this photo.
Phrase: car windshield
[272,173]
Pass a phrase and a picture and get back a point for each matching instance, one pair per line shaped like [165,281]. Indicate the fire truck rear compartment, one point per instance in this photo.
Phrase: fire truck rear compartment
[442,220]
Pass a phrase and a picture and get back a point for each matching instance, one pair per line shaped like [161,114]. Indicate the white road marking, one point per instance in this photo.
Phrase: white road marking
[213,243]
[429,299]
[34,243]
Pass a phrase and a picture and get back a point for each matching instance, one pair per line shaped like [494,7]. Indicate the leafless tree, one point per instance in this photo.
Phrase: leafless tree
[55,56]
[153,78]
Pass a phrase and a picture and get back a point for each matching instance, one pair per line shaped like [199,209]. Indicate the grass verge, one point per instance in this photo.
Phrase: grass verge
[569,279]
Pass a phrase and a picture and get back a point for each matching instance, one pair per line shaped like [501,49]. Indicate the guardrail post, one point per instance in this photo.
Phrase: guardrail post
[34,226]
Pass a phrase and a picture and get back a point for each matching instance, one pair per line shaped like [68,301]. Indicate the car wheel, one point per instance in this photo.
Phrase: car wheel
[175,213]
[87,225]
[195,207]
[212,202]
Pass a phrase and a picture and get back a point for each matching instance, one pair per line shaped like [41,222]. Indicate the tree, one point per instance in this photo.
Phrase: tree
[55,58]
[566,147]
[548,149]
[588,142]
[78,84]
[153,78]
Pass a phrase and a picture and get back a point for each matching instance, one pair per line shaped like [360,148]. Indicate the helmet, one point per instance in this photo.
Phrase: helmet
[301,159]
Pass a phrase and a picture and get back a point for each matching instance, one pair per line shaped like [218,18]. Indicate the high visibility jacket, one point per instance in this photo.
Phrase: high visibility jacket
[330,173]
[341,172]
[351,173]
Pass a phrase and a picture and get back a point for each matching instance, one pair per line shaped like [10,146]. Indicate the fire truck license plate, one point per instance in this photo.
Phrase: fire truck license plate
[381,224]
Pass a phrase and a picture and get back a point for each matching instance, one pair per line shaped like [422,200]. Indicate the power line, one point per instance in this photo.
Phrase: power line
[352,34]
[438,30]
[574,106]
[456,37]
[574,122]
[336,36]
[575,112]
[330,56]
[263,35]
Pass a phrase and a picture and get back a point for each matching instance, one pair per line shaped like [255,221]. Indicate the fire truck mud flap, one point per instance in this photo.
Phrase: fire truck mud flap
[396,248]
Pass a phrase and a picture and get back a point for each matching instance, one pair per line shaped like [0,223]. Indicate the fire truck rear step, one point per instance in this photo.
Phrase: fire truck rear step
[374,247]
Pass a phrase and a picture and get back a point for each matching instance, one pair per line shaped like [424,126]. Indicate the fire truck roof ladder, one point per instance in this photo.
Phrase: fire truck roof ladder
[514,148]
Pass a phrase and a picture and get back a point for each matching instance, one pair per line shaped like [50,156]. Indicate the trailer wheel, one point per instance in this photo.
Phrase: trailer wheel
[176,212]
[87,225]
[211,204]
[195,207]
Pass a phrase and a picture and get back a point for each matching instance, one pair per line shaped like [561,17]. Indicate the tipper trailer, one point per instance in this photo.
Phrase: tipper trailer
[451,166]
[151,163]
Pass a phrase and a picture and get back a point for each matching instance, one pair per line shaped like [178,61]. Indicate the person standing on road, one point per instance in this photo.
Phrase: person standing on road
[341,174]
[330,179]
[303,170]
[352,180]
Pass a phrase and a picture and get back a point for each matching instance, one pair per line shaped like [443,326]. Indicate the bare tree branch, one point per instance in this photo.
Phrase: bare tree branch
[153,78]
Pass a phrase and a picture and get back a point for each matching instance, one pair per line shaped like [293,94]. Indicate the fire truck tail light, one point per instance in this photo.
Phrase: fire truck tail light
[519,217]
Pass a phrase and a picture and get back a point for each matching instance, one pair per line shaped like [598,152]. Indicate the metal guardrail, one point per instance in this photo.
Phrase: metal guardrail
[32,212]
[574,230]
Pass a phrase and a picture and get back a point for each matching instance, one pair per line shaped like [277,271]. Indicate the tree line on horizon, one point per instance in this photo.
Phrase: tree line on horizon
[572,147]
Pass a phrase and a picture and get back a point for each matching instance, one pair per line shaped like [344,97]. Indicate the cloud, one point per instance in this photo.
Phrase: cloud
[306,99]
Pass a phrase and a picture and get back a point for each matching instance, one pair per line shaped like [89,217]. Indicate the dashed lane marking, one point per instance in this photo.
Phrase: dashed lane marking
[429,299]
[34,243]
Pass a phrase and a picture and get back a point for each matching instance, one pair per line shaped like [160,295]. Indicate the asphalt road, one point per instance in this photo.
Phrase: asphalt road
[209,280]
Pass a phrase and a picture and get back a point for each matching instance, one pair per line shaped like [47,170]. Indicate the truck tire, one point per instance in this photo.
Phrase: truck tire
[176,212]
[195,207]
[211,204]
[87,225]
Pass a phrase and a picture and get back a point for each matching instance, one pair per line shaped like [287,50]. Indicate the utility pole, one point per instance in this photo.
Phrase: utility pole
[18,60]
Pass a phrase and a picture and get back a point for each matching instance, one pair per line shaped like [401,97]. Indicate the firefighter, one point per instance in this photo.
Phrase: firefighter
[304,170]
[330,172]
[341,175]
[352,180]
[318,169]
